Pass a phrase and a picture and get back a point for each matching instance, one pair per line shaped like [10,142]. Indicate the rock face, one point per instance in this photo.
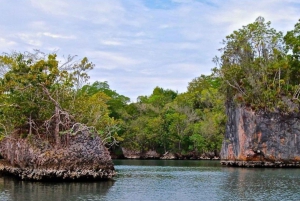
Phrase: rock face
[260,138]
[132,154]
[152,154]
[82,157]
[168,156]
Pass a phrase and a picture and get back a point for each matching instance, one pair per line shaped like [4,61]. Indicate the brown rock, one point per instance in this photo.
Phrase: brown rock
[168,156]
[34,159]
[258,138]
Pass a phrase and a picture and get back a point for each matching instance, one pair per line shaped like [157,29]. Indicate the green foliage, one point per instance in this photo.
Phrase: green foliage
[23,80]
[257,68]
[40,96]
[168,121]
[116,102]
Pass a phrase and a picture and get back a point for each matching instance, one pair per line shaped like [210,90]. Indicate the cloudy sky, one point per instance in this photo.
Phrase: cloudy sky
[136,45]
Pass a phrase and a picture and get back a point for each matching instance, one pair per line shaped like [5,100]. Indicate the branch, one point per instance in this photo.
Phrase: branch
[236,87]
[107,138]
[67,64]
[297,93]
[46,91]
[5,133]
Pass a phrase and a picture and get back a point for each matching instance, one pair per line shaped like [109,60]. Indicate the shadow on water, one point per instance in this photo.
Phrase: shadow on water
[260,184]
[159,180]
[12,189]
[173,163]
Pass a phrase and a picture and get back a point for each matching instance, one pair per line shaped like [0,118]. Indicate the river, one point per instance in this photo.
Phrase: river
[174,180]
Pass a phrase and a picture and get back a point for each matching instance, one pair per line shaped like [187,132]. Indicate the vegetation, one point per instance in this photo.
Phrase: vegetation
[258,67]
[43,97]
[182,123]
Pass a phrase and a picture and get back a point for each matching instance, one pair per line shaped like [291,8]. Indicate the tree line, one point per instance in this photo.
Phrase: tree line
[43,97]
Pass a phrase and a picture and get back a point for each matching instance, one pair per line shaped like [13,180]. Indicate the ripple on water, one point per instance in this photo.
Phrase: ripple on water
[166,180]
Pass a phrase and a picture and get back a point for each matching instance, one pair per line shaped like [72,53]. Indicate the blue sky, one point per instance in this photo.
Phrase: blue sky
[136,45]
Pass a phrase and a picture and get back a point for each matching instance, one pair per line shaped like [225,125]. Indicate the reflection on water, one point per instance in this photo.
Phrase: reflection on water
[261,184]
[15,190]
[166,163]
[158,180]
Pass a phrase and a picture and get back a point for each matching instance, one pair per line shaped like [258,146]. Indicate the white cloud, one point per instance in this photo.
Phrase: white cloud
[56,35]
[55,7]
[165,26]
[6,44]
[238,13]
[30,39]
[38,25]
[134,45]
[112,60]
[111,42]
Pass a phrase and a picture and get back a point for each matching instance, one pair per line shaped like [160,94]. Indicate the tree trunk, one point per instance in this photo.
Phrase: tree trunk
[56,130]
[56,116]
[30,125]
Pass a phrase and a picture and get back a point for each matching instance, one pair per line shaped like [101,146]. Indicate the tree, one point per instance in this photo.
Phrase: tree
[252,64]
[159,97]
[177,126]
[39,95]
[116,102]
[292,41]
[145,121]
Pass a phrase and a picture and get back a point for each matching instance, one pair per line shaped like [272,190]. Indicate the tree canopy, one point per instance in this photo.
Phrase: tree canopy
[40,96]
[260,67]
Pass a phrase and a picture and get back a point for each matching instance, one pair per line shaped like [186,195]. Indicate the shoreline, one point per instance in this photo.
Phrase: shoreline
[52,174]
[263,164]
[174,159]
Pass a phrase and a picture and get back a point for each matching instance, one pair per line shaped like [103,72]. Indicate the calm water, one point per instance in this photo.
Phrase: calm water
[144,180]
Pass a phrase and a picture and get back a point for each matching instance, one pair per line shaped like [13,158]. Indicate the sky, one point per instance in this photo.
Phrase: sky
[136,45]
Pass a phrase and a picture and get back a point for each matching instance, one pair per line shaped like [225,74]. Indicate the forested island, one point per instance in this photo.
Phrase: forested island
[54,124]
[260,73]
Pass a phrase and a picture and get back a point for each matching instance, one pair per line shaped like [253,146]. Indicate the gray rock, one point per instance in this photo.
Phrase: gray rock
[76,160]
[258,138]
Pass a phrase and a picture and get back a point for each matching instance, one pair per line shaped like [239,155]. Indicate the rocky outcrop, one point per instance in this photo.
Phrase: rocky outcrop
[168,156]
[82,157]
[152,154]
[256,139]
[133,154]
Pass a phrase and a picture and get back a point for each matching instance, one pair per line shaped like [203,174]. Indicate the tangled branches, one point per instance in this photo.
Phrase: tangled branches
[108,137]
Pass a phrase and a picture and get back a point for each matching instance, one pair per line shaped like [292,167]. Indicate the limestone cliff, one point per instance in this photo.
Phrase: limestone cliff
[261,138]
[81,157]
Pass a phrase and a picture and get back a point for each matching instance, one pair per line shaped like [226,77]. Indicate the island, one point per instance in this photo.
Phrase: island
[51,127]
[259,69]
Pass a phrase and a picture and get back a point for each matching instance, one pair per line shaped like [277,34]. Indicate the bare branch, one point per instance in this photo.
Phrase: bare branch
[236,87]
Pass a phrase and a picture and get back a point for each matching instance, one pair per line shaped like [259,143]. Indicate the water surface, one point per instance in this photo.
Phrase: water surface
[155,180]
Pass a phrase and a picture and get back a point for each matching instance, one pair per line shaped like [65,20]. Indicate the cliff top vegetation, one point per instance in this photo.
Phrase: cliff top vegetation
[260,67]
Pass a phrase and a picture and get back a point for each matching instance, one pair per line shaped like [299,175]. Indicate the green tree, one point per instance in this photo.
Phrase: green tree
[144,122]
[292,42]
[252,64]
[116,102]
[39,95]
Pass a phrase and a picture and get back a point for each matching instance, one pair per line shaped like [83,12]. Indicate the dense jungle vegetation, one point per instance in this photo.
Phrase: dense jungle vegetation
[42,97]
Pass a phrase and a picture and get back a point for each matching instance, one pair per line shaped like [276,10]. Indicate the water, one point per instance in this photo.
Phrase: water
[155,180]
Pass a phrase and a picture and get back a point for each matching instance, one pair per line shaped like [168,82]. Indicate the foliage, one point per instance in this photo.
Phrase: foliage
[40,95]
[116,102]
[257,68]
[168,121]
